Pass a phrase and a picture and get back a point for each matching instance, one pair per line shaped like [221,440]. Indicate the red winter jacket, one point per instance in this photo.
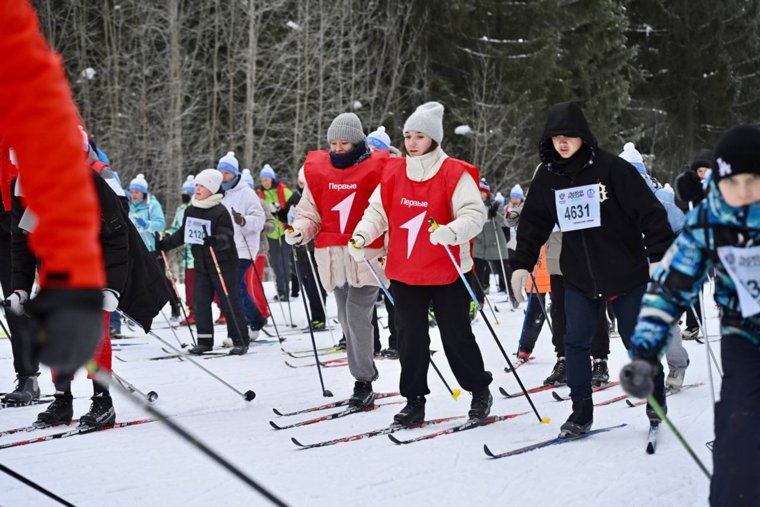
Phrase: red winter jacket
[38,119]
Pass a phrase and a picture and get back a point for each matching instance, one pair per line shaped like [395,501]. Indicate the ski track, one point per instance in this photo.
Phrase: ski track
[148,465]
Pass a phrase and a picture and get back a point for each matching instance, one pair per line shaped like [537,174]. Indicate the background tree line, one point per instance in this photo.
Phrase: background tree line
[168,87]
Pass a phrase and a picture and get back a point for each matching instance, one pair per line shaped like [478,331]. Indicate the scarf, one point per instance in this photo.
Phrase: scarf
[208,202]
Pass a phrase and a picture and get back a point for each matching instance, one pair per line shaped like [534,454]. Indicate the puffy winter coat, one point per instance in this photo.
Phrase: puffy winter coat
[149,210]
[242,199]
[603,261]
[187,255]
[279,195]
[485,246]
[269,226]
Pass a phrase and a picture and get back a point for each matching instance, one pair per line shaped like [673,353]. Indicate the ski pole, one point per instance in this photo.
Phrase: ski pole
[183,345]
[660,412]
[454,392]
[261,286]
[102,378]
[151,396]
[35,486]
[501,261]
[179,299]
[243,337]
[248,395]
[485,298]
[322,301]
[541,302]
[325,392]
[542,420]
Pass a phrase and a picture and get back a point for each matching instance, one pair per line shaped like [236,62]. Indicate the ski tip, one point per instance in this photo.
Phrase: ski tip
[650,448]
[277,411]
[556,396]
[299,444]
[456,393]
[630,403]
[504,392]
[546,420]
[274,425]
[488,451]
[395,440]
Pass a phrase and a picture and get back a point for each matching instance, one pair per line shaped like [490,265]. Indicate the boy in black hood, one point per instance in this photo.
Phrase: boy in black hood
[603,208]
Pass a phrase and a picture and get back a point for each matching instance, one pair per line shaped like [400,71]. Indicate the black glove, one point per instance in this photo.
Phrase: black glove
[67,326]
[637,377]
[209,241]
[159,242]
[493,210]
[238,218]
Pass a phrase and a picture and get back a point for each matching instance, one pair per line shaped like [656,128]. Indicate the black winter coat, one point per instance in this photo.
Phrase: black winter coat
[221,228]
[608,260]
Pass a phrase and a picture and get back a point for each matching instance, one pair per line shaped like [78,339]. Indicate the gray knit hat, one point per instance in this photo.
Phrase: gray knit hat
[428,119]
[346,127]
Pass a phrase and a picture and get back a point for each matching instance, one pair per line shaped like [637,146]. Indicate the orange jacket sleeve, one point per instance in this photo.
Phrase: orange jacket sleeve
[38,119]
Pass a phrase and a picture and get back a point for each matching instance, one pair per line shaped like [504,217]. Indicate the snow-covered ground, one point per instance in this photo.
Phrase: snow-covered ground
[148,465]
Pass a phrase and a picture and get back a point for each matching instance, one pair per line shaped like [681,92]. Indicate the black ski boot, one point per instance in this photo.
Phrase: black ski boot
[342,344]
[412,413]
[26,391]
[60,411]
[201,348]
[580,420]
[101,412]
[390,353]
[558,375]
[363,396]
[481,403]
[659,395]
[600,375]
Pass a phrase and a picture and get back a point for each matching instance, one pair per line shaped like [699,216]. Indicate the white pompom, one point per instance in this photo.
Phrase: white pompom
[230,153]
[246,171]
[629,147]
[190,178]
[140,175]
[381,129]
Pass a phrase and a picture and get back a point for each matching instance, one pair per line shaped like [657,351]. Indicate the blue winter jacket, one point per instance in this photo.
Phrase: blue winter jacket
[684,268]
[148,218]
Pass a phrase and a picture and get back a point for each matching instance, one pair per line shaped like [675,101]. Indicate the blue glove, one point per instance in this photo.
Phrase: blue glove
[141,223]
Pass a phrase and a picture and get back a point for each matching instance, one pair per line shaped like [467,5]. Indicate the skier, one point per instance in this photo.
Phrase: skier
[610,222]
[207,225]
[485,251]
[426,184]
[338,185]
[38,119]
[248,215]
[278,198]
[721,233]
[187,191]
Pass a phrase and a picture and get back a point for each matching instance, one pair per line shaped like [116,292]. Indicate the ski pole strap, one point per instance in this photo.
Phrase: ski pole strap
[435,226]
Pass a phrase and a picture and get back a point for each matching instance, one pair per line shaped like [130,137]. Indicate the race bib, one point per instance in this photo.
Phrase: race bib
[743,266]
[196,229]
[578,208]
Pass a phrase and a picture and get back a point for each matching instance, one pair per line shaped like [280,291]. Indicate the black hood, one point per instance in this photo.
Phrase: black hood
[565,119]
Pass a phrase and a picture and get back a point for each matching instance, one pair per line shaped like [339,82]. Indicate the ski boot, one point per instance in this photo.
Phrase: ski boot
[600,375]
[580,420]
[690,334]
[27,390]
[659,395]
[253,334]
[363,396]
[201,348]
[101,412]
[220,320]
[342,344]
[523,356]
[558,375]
[412,413]
[390,353]
[674,380]
[190,320]
[239,350]
[60,411]
[481,403]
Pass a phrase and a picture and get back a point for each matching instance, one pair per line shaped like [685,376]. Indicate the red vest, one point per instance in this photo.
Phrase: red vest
[342,195]
[412,259]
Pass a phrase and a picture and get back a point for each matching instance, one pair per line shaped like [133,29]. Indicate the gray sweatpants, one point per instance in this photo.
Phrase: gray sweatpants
[355,305]
[676,354]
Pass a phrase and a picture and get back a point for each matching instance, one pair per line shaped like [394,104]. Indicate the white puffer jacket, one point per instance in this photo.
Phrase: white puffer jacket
[242,199]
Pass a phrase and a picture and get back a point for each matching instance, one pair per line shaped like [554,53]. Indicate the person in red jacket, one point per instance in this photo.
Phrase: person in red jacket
[426,184]
[39,121]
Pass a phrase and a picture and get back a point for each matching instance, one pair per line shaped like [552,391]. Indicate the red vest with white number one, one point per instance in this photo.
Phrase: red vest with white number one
[342,195]
[408,204]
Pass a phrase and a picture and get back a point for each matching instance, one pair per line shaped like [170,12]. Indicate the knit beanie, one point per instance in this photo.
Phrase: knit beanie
[229,163]
[139,184]
[737,152]
[188,187]
[346,127]
[484,186]
[516,192]
[267,172]
[379,139]
[247,177]
[428,119]
[702,159]
[499,197]
[631,155]
[209,178]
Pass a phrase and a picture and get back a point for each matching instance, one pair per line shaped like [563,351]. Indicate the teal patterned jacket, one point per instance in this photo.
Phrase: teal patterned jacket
[684,269]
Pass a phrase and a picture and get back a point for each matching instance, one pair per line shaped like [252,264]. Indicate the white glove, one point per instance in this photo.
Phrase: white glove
[519,282]
[110,300]
[443,235]
[293,237]
[356,248]
[15,302]
[274,207]
[652,268]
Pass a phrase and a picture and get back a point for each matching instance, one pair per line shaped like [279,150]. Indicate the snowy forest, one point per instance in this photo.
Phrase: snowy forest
[168,87]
